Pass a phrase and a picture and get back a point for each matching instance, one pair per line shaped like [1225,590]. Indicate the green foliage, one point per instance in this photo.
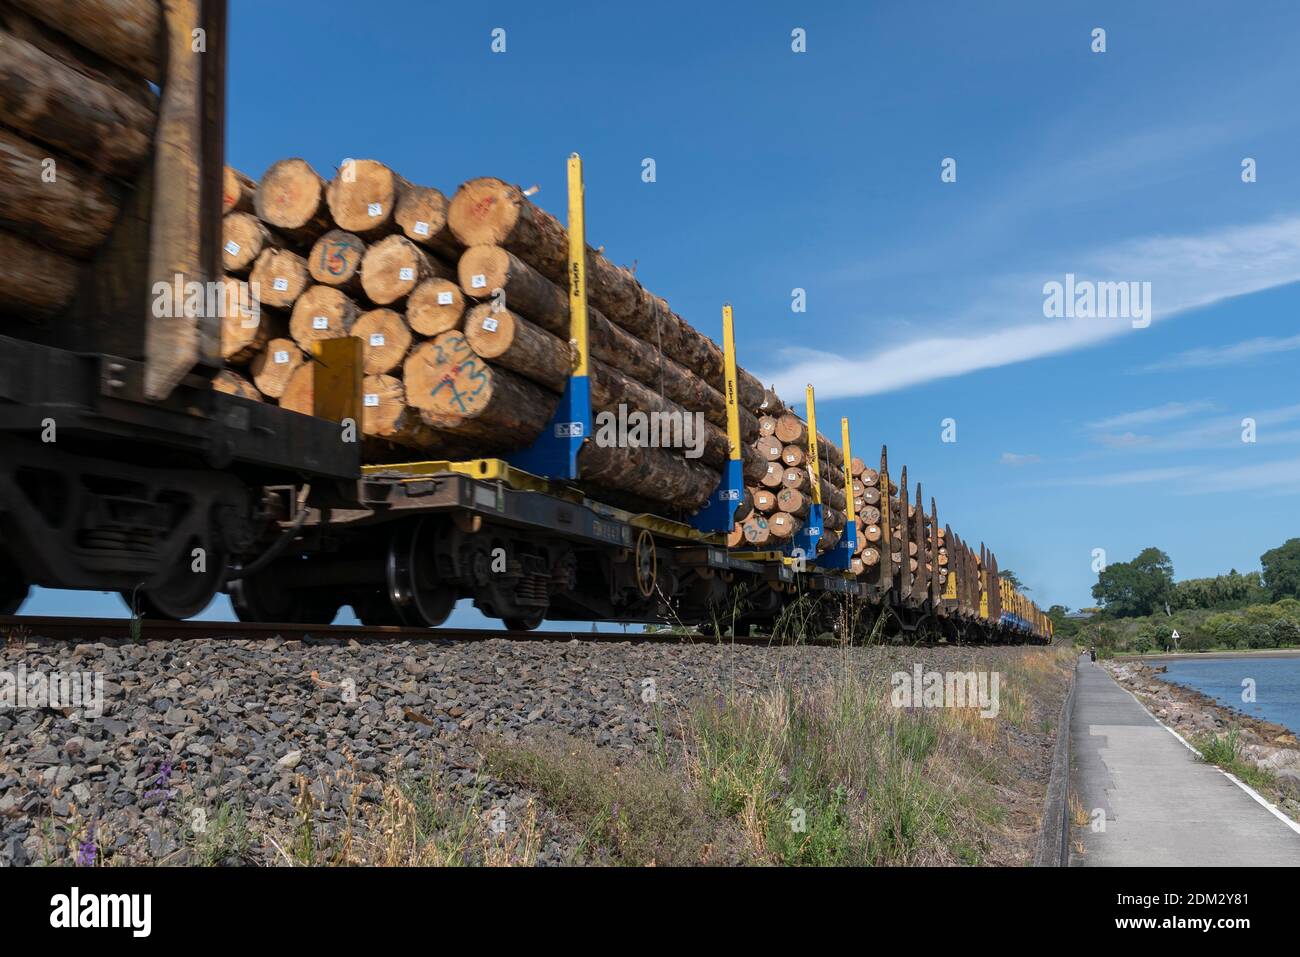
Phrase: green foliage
[1139,587]
[1013,579]
[1232,590]
[1282,570]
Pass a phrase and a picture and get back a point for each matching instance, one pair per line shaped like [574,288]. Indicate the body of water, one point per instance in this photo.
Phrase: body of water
[1277,684]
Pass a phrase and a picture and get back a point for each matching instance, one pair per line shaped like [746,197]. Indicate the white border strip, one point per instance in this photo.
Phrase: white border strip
[1259,798]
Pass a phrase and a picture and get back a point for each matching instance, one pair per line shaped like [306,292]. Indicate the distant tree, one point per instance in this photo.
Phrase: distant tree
[1014,579]
[1282,570]
[1232,590]
[1139,587]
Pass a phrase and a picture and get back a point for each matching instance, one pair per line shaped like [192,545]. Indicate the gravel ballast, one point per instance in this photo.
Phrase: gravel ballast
[201,723]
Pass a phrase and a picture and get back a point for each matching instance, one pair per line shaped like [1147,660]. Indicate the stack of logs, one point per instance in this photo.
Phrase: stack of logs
[77,119]
[463,309]
[781,499]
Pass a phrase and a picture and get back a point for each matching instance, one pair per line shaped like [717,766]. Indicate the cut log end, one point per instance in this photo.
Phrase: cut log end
[484,210]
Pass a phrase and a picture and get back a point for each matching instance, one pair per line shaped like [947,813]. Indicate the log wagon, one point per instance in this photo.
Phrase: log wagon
[311,391]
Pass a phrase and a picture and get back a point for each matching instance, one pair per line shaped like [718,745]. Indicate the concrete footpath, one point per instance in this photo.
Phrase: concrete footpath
[1163,806]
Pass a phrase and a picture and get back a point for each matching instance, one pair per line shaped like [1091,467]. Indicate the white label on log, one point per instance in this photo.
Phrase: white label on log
[281,357]
[478,282]
[421,228]
[376,338]
[490,324]
[406,273]
[232,247]
[320,322]
[372,399]
[375,209]
[444,299]
[280,285]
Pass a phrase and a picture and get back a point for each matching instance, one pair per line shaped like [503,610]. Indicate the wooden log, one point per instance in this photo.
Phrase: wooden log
[386,340]
[768,448]
[773,476]
[746,506]
[856,465]
[871,557]
[421,214]
[394,266]
[243,237]
[34,281]
[363,197]
[792,456]
[765,500]
[445,376]
[791,430]
[385,414]
[490,211]
[783,525]
[870,496]
[655,474]
[291,199]
[232,383]
[504,338]
[272,367]
[54,200]
[868,477]
[237,192]
[869,514]
[57,104]
[434,306]
[793,501]
[279,277]
[771,405]
[485,269]
[796,478]
[767,427]
[321,312]
[299,390]
[126,32]
[757,530]
[736,536]
[335,260]
[246,326]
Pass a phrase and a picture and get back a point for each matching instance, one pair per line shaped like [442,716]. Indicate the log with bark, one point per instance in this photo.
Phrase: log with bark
[321,312]
[386,339]
[291,199]
[56,103]
[272,367]
[421,214]
[246,325]
[237,192]
[279,277]
[243,238]
[385,414]
[434,306]
[232,383]
[56,201]
[34,281]
[126,32]
[394,266]
[335,260]
[363,196]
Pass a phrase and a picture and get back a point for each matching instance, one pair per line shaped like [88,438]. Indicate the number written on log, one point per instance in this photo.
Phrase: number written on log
[334,256]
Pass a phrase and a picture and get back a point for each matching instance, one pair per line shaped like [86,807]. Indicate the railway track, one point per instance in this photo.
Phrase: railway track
[95,629]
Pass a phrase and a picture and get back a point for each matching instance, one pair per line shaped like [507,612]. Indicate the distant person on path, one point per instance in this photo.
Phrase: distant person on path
[1092,652]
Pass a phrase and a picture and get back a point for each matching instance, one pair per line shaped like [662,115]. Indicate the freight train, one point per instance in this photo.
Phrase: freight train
[122,469]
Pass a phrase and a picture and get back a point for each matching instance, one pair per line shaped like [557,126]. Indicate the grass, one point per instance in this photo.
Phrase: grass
[1224,751]
[832,774]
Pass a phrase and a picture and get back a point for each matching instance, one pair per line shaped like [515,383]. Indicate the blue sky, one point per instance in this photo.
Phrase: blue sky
[821,170]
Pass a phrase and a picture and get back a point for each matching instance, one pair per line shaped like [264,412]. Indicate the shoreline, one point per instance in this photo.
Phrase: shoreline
[1191,655]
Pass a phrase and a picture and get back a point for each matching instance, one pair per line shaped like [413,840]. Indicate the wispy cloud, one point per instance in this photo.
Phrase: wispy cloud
[1016,459]
[1150,416]
[1186,272]
[1281,476]
[1235,354]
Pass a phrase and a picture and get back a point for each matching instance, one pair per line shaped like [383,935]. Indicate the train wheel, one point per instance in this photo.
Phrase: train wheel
[260,598]
[185,592]
[647,564]
[375,610]
[524,624]
[413,586]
